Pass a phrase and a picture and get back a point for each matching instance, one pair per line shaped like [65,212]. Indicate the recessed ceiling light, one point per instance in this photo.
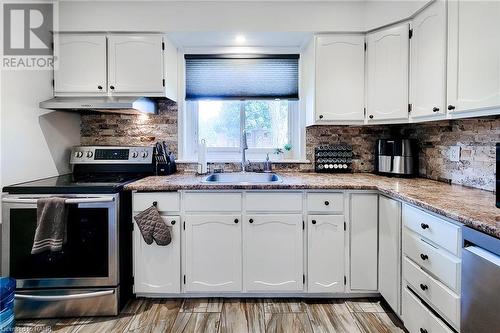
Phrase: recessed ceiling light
[240,39]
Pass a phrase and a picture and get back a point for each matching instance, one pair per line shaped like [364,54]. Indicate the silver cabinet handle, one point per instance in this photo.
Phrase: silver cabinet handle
[64,297]
[68,201]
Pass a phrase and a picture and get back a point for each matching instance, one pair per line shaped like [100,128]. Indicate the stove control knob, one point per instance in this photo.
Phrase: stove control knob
[135,154]
[79,154]
[144,154]
[90,154]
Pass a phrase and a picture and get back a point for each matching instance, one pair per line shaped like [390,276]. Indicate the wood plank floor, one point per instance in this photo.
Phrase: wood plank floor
[232,316]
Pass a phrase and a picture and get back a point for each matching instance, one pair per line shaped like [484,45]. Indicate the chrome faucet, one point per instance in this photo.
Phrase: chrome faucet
[244,147]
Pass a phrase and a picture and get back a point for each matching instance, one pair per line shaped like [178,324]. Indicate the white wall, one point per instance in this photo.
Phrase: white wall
[34,142]
[168,16]
[379,13]
[272,16]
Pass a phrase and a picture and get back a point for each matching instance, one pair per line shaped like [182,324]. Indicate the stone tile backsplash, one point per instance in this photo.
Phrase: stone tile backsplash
[124,129]
[476,137]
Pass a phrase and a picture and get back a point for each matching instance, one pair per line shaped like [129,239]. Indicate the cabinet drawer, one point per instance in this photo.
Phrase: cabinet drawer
[325,202]
[436,261]
[278,202]
[439,231]
[212,202]
[418,318]
[167,202]
[434,292]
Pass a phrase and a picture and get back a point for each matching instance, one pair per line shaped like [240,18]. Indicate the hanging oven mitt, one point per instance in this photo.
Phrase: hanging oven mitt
[161,233]
[146,221]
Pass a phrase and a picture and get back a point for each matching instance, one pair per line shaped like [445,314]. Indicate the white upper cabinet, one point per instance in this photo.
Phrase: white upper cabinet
[387,73]
[428,61]
[325,253]
[273,252]
[80,65]
[135,64]
[157,269]
[124,64]
[340,77]
[213,253]
[473,55]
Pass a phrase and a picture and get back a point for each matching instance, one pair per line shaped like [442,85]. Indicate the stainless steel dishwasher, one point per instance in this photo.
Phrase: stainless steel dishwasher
[480,282]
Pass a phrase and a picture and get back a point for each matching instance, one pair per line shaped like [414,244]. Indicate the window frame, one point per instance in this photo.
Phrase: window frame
[230,154]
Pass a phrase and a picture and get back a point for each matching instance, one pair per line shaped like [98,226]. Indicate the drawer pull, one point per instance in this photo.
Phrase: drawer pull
[313,221]
[424,226]
[327,203]
[423,330]
[251,220]
[424,256]
[173,222]
[424,287]
[236,221]
[155,203]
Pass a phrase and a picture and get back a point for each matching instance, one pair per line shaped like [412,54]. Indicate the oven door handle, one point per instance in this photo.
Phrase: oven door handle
[64,297]
[68,201]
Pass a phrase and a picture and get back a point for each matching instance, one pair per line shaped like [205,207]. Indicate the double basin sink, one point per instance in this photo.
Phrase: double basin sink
[243,178]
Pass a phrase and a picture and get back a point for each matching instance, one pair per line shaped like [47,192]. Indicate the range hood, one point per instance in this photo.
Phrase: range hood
[116,104]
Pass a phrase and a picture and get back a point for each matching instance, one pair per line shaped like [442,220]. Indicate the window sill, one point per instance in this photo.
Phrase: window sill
[292,161]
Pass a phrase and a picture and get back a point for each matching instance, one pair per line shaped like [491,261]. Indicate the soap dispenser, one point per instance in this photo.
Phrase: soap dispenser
[267,164]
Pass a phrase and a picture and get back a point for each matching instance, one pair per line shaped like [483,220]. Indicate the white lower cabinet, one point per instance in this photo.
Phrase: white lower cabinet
[418,319]
[364,245]
[442,299]
[325,253]
[237,242]
[213,253]
[157,269]
[273,252]
[389,253]
[431,269]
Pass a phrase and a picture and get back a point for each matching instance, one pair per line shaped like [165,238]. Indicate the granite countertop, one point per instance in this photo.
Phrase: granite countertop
[472,207]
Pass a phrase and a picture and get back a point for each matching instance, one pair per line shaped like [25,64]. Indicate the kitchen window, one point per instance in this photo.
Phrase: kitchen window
[229,95]
[268,125]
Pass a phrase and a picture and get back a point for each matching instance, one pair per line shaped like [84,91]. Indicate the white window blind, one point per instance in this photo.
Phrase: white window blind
[242,76]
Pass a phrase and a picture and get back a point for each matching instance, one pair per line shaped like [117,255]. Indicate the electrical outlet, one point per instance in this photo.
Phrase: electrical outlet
[454,153]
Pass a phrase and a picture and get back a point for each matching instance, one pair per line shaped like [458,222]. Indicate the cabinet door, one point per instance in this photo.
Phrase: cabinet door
[387,67]
[340,77]
[428,61]
[157,269]
[273,250]
[364,234]
[473,55]
[213,253]
[80,65]
[136,64]
[325,253]
[389,269]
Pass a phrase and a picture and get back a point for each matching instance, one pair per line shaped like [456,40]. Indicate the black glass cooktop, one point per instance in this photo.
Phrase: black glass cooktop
[72,184]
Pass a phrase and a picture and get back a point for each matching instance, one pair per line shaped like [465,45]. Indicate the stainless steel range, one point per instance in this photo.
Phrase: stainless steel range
[92,274]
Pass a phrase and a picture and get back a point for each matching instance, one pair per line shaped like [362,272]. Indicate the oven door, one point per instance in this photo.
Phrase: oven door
[89,258]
